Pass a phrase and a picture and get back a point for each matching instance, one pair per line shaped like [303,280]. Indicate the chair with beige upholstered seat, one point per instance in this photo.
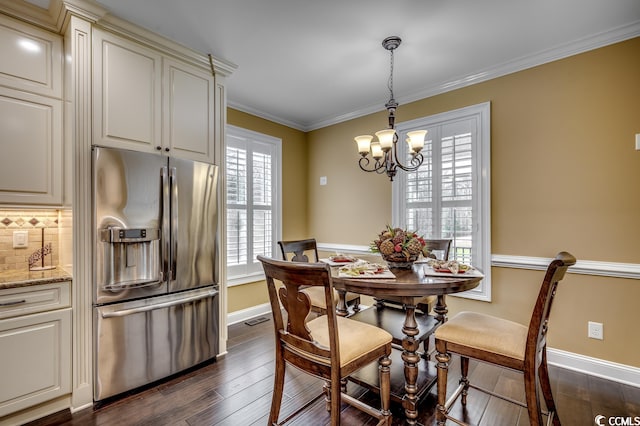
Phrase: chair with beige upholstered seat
[329,347]
[504,343]
[299,251]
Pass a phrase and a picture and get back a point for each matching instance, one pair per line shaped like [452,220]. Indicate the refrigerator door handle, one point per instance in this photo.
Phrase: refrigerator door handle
[174,221]
[130,284]
[166,211]
[163,305]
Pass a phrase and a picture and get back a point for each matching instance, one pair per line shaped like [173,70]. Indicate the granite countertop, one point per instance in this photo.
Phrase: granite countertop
[13,279]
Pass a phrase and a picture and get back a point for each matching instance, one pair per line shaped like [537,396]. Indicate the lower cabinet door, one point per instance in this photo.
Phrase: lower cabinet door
[36,359]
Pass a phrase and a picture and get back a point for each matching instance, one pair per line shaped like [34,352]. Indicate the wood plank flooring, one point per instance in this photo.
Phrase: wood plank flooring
[236,390]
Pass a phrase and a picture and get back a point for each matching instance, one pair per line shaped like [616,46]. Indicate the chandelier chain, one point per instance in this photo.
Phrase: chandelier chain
[390,83]
[384,151]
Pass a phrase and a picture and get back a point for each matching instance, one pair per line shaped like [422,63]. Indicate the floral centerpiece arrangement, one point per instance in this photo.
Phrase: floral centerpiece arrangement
[399,247]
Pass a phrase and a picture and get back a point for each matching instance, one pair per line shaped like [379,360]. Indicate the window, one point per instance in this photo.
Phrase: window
[449,195]
[253,202]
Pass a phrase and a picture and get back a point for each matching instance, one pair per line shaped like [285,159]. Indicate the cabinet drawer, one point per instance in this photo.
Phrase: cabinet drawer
[29,300]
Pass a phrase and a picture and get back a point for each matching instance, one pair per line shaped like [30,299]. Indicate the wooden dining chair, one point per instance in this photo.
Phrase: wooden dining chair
[389,313]
[300,251]
[329,347]
[443,246]
[504,343]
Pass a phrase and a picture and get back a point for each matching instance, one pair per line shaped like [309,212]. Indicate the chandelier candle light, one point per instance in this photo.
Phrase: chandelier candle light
[384,150]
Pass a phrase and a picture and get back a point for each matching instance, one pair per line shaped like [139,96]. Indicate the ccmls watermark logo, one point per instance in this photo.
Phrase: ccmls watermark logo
[617,421]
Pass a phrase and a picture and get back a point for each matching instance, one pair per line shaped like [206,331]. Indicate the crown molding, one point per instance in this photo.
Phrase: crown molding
[125,28]
[55,18]
[562,51]
[266,116]
[30,13]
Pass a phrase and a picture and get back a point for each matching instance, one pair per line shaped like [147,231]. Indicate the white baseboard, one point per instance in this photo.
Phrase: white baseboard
[595,367]
[245,314]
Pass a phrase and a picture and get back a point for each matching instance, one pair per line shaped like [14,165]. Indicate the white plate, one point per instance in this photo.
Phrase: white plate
[367,270]
[428,270]
[332,263]
[368,275]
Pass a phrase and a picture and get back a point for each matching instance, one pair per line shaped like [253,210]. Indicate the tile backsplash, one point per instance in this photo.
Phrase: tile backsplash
[37,223]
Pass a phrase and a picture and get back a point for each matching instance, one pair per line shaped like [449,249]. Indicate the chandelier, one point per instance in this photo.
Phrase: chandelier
[384,150]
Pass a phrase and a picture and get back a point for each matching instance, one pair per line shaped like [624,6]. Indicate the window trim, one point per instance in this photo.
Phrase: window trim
[482,156]
[239,132]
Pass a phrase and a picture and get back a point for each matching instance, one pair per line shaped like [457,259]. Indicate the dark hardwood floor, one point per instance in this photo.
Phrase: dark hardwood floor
[236,390]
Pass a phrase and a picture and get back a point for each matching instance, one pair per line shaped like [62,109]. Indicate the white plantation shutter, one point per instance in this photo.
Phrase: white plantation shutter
[448,196]
[262,206]
[236,173]
[253,201]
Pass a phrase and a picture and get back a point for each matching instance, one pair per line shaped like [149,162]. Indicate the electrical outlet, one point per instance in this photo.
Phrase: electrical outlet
[596,330]
[20,239]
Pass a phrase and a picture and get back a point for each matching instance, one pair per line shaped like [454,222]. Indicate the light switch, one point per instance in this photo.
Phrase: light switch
[638,141]
[20,239]
[323,180]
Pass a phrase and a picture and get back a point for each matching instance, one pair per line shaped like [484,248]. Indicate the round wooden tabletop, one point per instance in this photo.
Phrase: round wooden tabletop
[407,283]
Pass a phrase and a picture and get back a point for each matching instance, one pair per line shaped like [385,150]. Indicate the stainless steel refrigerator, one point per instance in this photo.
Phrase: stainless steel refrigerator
[155,276]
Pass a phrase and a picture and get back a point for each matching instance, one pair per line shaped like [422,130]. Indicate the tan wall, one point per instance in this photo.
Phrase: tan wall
[294,195]
[565,176]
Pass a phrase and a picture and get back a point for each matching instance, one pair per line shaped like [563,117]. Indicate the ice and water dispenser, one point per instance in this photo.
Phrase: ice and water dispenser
[131,258]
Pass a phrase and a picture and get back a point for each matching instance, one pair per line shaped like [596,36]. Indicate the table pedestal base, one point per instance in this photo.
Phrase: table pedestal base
[427,374]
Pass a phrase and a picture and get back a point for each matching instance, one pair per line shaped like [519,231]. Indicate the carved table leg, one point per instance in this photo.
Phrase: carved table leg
[341,308]
[411,359]
[441,309]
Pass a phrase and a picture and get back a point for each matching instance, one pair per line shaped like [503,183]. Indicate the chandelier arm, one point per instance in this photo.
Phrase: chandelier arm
[416,162]
[378,166]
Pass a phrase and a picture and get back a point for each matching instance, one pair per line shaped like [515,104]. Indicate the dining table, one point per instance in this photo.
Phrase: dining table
[408,285]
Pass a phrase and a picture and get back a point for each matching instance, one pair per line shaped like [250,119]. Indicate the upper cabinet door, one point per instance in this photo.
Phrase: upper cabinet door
[126,94]
[31,160]
[146,101]
[188,118]
[35,63]
[31,171]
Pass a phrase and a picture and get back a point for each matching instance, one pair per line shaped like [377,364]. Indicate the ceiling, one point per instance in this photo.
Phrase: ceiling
[308,64]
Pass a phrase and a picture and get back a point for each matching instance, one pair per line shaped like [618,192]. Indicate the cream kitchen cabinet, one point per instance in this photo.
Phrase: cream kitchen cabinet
[31,161]
[31,164]
[35,345]
[146,101]
[31,58]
